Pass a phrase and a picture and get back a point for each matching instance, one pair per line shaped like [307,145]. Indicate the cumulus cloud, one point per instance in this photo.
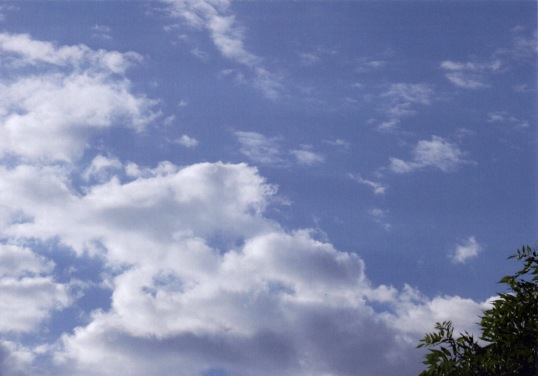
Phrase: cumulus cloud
[28,51]
[206,281]
[227,36]
[469,249]
[437,153]
[29,294]
[102,168]
[48,115]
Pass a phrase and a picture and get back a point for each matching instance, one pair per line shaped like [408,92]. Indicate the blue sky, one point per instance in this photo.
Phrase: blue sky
[258,188]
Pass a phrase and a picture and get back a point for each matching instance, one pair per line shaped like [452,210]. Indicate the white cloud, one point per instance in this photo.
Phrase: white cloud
[379,216]
[339,143]
[466,80]
[365,65]
[469,249]
[46,115]
[227,36]
[15,359]
[28,293]
[437,153]
[524,48]
[414,313]
[187,141]
[305,156]
[400,100]
[378,188]
[204,279]
[309,58]
[410,93]
[199,277]
[102,168]
[101,31]
[260,148]
[504,117]
[470,75]
[28,51]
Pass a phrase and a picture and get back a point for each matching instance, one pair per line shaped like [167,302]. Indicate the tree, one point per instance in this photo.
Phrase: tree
[508,345]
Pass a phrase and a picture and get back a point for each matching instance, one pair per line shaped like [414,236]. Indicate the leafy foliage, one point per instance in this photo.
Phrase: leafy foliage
[509,341]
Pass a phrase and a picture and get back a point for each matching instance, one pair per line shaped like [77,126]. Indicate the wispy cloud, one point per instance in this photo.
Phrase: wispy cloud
[101,31]
[379,216]
[259,148]
[467,250]
[435,153]
[306,156]
[524,47]
[366,64]
[227,36]
[400,100]
[309,58]
[469,75]
[503,117]
[476,74]
[377,188]
[339,143]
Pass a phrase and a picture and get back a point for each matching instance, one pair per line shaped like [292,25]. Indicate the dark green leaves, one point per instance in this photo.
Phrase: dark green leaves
[509,344]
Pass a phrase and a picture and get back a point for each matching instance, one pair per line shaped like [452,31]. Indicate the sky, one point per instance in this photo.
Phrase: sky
[252,188]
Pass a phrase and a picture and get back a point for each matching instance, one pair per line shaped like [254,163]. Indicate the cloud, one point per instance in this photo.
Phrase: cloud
[260,148]
[201,278]
[470,75]
[379,215]
[378,188]
[413,312]
[410,93]
[187,141]
[29,294]
[52,115]
[437,153]
[524,47]
[469,249]
[475,74]
[102,168]
[400,100]
[28,51]
[339,143]
[101,32]
[504,117]
[305,156]
[195,276]
[15,359]
[227,36]
[365,65]
[309,58]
